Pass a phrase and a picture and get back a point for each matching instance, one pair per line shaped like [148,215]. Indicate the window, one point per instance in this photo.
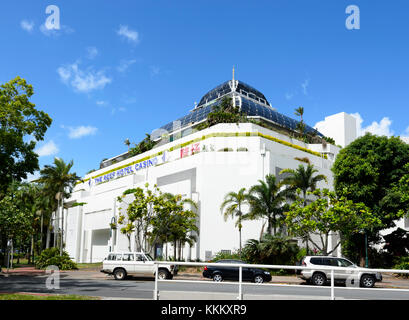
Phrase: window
[139,257]
[118,257]
[330,262]
[344,263]
[111,257]
[317,261]
[128,257]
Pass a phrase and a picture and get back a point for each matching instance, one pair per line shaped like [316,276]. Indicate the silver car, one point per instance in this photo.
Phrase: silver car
[352,276]
[137,264]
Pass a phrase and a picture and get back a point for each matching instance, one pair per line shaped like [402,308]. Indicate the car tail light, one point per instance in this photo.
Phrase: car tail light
[303,264]
[205,268]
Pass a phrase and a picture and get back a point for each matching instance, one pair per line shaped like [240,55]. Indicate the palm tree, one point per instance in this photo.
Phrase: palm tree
[299,112]
[303,178]
[268,200]
[59,183]
[232,207]
[301,125]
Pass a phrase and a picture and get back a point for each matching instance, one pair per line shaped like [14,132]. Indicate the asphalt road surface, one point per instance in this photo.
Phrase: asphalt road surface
[143,289]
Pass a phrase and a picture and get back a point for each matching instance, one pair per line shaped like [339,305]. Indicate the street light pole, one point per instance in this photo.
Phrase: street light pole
[366,250]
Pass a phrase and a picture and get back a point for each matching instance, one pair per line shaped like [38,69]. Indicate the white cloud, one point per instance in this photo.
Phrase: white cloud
[120,109]
[382,128]
[55,32]
[130,35]
[289,96]
[81,131]
[405,136]
[125,64]
[83,81]
[92,52]
[101,103]
[47,149]
[27,25]
[155,70]
[305,85]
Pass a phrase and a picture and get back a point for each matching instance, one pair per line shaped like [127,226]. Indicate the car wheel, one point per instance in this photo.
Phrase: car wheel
[367,281]
[258,279]
[318,279]
[217,277]
[163,275]
[119,274]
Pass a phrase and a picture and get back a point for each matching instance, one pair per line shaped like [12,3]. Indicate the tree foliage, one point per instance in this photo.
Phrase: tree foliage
[326,214]
[267,200]
[271,249]
[369,170]
[232,206]
[19,120]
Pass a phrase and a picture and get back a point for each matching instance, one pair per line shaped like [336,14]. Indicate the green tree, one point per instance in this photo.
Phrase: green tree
[327,214]
[139,214]
[369,170]
[59,183]
[302,178]
[232,207]
[267,200]
[19,120]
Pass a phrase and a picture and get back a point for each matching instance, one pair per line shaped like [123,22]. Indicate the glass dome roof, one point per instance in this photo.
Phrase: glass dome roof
[253,103]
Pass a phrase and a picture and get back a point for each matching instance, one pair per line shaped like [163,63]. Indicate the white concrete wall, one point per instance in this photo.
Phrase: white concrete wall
[208,176]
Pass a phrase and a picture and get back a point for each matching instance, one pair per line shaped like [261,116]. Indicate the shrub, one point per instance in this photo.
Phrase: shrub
[225,255]
[402,263]
[52,256]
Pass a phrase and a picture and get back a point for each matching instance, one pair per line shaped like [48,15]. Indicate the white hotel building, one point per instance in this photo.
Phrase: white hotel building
[202,165]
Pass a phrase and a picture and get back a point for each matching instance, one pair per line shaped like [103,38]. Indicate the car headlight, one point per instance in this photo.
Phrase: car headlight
[266,272]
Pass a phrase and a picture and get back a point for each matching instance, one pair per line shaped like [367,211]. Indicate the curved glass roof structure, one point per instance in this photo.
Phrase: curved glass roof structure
[251,101]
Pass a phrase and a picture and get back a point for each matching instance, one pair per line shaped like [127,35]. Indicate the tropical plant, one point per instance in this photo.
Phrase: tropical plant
[268,200]
[53,257]
[328,214]
[19,120]
[232,207]
[145,145]
[58,183]
[271,249]
[302,178]
[370,170]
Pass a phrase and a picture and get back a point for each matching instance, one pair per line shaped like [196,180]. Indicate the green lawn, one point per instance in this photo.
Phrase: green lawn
[84,266]
[21,296]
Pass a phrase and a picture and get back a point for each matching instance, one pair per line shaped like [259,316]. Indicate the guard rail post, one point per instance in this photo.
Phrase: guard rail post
[240,297]
[155,291]
[332,285]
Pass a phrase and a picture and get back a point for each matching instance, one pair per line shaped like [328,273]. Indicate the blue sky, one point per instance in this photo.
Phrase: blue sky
[120,69]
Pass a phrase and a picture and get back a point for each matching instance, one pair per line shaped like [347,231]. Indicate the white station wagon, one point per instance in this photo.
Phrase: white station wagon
[137,264]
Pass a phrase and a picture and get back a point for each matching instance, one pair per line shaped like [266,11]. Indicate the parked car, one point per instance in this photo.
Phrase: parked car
[319,277]
[137,264]
[232,273]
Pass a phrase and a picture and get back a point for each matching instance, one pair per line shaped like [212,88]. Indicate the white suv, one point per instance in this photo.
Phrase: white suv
[135,264]
[355,276]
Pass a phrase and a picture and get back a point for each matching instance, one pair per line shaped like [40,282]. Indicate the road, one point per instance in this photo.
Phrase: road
[143,289]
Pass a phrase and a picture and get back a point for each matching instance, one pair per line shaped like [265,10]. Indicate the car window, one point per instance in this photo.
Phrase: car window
[344,263]
[139,257]
[118,257]
[128,257]
[149,257]
[111,257]
[317,261]
[332,262]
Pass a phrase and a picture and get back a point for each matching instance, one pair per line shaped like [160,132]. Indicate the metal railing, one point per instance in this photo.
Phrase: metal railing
[355,274]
